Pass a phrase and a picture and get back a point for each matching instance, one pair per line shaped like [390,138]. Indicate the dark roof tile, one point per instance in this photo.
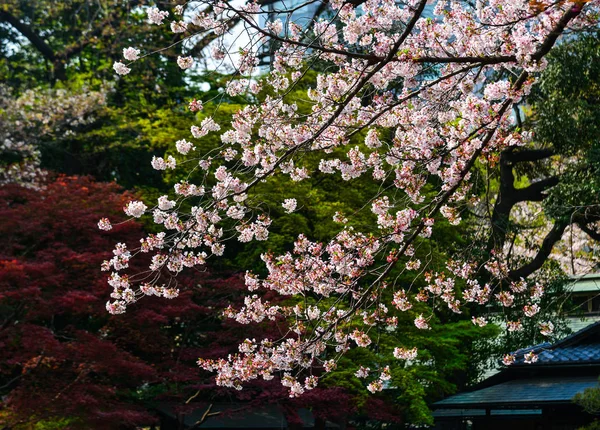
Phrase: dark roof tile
[574,354]
[521,392]
[582,347]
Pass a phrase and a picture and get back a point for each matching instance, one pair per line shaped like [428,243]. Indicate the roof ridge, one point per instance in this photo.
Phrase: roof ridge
[579,335]
[572,340]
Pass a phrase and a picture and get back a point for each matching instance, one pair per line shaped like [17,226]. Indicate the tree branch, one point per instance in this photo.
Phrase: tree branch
[587,230]
[550,240]
[550,40]
[503,204]
[528,155]
[59,59]
[509,196]
[31,35]
[535,191]
[197,49]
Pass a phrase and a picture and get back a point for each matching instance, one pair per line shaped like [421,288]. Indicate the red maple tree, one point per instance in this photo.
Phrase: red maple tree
[65,357]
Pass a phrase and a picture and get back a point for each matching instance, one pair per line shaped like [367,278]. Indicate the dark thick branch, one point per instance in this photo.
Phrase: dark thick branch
[504,203]
[550,240]
[590,232]
[525,155]
[59,59]
[509,196]
[535,191]
[550,40]
[581,219]
[31,35]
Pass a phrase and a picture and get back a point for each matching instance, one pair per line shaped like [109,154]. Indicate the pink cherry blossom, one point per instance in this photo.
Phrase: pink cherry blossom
[362,372]
[185,62]
[183,146]
[479,321]
[289,205]
[530,357]
[104,224]
[508,359]
[131,54]
[438,112]
[121,68]
[135,209]
[421,323]
[178,27]
[405,354]
[156,16]
[546,328]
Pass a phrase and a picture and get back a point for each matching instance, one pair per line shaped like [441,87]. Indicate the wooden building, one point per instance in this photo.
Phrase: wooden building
[530,396]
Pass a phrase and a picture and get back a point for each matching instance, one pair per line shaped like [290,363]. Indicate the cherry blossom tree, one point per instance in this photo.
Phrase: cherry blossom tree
[416,103]
[37,116]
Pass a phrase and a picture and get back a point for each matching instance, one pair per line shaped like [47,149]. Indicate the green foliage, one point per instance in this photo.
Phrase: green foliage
[567,117]
[589,400]
[55,424]
[447,359]
[120,144]
[593,426]
[144,117]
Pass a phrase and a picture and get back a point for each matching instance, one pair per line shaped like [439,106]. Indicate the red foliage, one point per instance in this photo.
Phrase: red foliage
[64,356]
[60,359]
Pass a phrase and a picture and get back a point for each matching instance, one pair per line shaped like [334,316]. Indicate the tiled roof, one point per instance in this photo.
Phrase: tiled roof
[522,393]
[576,354]
[582,347]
